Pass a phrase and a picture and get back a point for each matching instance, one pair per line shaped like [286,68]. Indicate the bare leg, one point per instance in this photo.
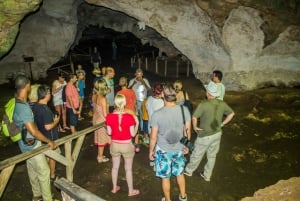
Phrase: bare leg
[73,130]
[64,115]
[52,164]
[58,109]
[128,170]
[166,188]
[100,152]
[181,185]
[114,171]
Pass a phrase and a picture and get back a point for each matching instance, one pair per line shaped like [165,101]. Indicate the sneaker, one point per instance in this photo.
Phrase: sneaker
[187,173]
[183,199]
[204,177]
[146,140]
[39,198]
[163,199]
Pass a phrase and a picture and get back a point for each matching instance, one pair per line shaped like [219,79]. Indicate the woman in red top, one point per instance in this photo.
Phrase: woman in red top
[122,127]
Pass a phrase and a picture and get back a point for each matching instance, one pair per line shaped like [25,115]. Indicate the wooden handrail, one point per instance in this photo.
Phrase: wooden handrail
[24,156]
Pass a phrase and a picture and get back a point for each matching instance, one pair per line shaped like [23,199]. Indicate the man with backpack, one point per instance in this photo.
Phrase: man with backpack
[37,166]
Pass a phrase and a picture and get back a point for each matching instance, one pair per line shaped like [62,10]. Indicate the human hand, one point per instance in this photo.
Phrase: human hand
[52,145]
[151,155]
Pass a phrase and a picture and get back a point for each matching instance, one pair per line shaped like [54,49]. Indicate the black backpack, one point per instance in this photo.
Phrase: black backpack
[63,95]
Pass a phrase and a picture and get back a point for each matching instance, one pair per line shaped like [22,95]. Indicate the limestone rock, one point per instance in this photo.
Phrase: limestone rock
[11,13]
[281,191]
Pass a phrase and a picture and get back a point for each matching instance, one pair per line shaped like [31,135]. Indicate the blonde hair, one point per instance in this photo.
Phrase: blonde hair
[120,102]
[100,87]
[177,85]
[33,95]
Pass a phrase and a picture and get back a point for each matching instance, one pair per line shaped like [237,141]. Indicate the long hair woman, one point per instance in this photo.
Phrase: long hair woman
[122,127]
[100,111]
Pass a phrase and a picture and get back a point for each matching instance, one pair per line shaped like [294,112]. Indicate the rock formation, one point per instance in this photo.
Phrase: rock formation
[213,34]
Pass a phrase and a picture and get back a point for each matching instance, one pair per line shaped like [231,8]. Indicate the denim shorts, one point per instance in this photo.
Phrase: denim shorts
[73,118]
[169,163]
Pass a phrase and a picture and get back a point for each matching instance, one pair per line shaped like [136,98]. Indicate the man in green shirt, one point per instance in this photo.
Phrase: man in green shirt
[210,112]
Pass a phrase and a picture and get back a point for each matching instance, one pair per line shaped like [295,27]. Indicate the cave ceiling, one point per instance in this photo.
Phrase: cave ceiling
[246,39]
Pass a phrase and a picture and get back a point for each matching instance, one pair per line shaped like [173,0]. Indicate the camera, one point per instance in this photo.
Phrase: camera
[185,141]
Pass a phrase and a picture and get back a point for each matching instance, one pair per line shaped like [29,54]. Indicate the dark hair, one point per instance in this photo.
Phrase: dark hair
[157,89]
[169,92]
[71,76]
[61,75]
[218,74]
[42,91]
[21,81]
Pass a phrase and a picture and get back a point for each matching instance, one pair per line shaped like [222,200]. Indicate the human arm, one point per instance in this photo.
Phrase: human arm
[32,129]
[52,124]
[55,87]
[153,140]
[145,82]
[227,119]
[195,124]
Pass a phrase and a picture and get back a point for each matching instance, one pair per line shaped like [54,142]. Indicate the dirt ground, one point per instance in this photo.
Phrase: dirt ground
[259,147]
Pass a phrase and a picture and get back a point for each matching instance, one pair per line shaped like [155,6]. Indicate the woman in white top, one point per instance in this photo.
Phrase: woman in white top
[57,90]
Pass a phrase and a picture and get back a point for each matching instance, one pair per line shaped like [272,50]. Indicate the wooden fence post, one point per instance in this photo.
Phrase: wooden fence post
[156,66]
[166,67]
[139,62]
[146,61]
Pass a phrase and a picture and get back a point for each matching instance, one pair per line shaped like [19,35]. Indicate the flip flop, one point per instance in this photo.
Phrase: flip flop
[116,189]
[66,128]
[134,192]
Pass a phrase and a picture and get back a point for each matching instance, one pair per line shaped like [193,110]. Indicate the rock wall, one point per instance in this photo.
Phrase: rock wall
[46,35]
[197,29]
[281,191]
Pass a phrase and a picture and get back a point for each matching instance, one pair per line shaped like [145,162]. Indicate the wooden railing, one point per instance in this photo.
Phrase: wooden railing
[69,159]
[162,65]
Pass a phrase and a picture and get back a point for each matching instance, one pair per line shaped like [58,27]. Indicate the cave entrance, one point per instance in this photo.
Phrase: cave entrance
[128,45]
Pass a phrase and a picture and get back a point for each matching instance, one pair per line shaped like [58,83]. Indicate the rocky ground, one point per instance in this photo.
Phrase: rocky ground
[259,148]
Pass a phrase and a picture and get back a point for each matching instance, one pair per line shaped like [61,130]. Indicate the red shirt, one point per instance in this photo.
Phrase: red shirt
[130,98]
[122,132]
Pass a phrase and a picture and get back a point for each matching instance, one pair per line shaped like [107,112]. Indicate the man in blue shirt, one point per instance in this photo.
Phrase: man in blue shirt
[37,166]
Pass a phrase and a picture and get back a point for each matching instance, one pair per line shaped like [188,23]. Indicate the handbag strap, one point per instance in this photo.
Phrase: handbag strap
[184,95]
[183,117]
[181,106]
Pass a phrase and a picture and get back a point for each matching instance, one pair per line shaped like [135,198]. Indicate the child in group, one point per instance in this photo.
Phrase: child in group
[80,87]
[145,118]
[80,69]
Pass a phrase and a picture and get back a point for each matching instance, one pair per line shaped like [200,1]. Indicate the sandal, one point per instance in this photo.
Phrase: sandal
[137,148]
[61,130]
[103,159]
[80,118]
[66,128]
[134,192]
[115,190]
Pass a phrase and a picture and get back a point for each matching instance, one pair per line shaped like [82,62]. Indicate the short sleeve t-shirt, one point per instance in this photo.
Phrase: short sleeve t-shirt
[120,128]
[22,115]
[211,114]
[43,116]
[169,121]
[72,91]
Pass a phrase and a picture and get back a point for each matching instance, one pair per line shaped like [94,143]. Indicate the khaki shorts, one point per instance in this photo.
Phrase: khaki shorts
[118,149]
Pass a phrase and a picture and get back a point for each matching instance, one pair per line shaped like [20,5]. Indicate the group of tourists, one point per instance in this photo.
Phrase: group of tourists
[156,116]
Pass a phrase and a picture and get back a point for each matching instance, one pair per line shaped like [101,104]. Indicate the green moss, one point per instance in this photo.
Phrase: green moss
[8,42]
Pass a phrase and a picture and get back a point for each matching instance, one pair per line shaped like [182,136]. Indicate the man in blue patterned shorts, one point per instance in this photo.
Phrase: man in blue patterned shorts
[167,128]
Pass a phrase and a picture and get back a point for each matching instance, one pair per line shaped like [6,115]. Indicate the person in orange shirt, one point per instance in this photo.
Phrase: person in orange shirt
[129,95]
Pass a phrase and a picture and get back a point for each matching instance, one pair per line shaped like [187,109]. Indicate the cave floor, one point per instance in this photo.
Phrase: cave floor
[259,147]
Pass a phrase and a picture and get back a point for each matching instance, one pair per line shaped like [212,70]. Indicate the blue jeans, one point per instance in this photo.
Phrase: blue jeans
[209,145]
